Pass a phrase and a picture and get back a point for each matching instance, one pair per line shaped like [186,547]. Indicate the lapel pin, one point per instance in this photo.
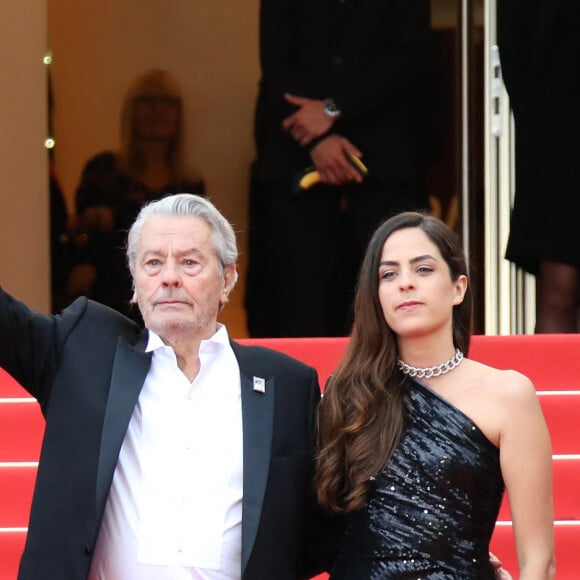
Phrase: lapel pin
[259,385]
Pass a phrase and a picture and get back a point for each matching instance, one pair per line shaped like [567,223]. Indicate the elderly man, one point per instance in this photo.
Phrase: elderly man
[170,452]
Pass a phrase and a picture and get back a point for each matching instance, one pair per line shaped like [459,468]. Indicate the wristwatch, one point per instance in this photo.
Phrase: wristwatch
[330,108]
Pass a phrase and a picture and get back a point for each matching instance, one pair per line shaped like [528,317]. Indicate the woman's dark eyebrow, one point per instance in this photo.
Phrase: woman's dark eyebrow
[422,258]
[412,261]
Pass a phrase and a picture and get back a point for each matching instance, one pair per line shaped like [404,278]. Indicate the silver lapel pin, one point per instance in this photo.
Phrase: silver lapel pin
[259,385]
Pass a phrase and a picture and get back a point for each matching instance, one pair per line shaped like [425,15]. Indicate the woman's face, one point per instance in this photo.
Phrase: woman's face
[156,114]
[416,291]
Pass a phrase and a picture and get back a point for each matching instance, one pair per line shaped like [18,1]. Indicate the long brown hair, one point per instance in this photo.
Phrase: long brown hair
[361,414]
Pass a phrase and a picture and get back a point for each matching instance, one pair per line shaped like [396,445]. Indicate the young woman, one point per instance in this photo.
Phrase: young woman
[418,441]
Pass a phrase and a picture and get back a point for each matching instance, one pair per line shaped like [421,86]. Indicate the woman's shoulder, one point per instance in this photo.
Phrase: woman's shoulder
[493,398]
[508,384]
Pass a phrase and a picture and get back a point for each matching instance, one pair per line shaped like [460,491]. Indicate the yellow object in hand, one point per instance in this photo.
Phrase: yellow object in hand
[313,177]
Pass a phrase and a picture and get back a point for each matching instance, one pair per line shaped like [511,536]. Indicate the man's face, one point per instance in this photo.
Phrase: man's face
[178,282]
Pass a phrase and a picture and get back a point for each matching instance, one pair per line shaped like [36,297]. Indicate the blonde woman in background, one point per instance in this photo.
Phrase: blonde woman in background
[148,165]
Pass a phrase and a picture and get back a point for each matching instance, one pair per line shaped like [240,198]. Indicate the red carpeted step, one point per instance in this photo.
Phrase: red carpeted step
[16,487]
[21,429]
[9,387]
[11,546]
[561,412]
[24,418]
[548,359]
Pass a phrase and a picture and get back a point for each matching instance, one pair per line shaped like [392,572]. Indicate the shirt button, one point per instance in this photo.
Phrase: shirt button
[337,60]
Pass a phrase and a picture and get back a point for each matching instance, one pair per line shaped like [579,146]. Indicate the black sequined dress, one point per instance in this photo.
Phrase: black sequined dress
[431,511]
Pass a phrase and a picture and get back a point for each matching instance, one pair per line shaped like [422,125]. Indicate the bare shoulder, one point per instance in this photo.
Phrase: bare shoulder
[499,401]
[508,387]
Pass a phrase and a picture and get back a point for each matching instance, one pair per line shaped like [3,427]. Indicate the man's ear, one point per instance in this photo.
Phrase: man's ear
[230,279]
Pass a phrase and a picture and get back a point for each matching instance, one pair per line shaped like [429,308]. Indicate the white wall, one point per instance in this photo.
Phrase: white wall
[24,251]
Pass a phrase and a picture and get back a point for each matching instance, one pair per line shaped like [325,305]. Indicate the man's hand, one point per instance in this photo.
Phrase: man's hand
[309,121]
[500,573]
[329,158]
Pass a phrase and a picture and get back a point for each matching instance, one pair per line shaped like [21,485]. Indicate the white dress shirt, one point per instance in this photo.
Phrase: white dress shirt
[174,509]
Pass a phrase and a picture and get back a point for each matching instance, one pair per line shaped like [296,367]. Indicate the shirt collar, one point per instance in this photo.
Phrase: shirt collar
[220,337]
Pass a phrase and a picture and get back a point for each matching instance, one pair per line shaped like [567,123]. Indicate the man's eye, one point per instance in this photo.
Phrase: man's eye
[152,262]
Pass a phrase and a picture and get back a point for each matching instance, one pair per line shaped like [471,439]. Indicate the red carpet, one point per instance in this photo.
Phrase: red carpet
[551,361]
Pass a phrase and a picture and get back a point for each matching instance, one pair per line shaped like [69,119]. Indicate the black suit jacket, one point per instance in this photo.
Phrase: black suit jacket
[86,367]
[371,56]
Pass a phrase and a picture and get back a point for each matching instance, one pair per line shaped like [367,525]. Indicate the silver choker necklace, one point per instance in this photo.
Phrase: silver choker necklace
[429,373]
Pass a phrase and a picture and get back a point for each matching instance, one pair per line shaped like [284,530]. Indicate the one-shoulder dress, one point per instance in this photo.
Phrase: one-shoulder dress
[431,511]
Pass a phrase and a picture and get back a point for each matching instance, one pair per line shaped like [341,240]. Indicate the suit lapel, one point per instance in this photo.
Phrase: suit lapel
[258,425]
[129,371]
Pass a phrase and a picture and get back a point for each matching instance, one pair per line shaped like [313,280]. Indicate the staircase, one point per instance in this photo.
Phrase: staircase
[21,428]
[551,361]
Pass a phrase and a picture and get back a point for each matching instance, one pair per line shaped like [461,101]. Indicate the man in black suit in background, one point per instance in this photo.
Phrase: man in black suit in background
[338,76]
[170,451]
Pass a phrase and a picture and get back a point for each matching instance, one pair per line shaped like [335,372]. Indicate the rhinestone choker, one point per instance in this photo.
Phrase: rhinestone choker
[429,373]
